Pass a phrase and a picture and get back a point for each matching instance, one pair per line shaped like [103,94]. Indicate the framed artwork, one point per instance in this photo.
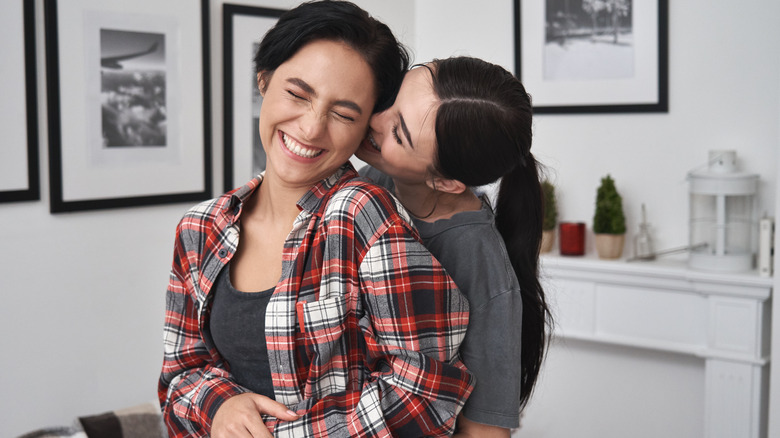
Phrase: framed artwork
[129,101]
[19,176]
[243,27]
[593,56]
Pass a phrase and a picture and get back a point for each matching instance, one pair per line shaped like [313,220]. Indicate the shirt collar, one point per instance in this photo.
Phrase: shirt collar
[312,200]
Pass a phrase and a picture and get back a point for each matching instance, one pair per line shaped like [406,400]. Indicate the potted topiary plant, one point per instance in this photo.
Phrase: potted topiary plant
[609,222]
[550,219]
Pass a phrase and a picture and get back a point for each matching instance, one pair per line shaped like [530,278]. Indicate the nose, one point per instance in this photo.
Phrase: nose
[377,121]
[313,124]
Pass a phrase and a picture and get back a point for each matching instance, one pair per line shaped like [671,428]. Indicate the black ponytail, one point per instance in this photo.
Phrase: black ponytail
[519,220]
[483,134]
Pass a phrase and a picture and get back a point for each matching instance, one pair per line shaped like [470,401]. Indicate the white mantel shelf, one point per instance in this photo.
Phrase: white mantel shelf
[723,318]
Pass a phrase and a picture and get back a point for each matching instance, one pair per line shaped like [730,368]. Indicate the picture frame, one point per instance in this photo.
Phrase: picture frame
[580,57]
[243,27]
[19,174]
[129,121]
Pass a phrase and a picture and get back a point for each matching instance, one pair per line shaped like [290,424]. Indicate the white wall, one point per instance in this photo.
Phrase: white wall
[83,293]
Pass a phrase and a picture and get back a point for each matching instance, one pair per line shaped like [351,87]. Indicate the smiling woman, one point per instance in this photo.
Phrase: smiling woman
[283,315]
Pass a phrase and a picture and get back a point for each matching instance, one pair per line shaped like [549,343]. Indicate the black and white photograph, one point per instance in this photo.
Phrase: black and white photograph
[132,79]
[243,28]
[19,175]
[131,125]
[582,56]
[588,39]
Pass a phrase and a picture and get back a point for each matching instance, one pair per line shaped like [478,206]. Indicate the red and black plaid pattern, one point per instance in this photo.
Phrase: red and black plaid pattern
[362,330]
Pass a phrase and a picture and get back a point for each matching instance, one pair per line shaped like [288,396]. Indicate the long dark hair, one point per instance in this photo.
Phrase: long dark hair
[483,133]
[337,21]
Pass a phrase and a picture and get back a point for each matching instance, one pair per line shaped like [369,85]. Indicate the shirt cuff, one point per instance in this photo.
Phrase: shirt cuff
[220,391]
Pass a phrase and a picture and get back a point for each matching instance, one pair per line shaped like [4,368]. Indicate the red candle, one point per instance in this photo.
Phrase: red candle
[572,238]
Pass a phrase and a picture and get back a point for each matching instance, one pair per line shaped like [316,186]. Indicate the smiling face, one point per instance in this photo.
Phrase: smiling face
[402,141]
[315,112]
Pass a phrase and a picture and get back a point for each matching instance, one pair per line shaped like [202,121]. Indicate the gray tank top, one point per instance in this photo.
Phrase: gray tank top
[237,327]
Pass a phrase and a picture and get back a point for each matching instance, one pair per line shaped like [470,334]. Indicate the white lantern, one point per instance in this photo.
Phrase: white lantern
[721,215]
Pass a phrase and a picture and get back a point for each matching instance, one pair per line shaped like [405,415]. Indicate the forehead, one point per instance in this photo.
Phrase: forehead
[416,98]
[419,82]
[331,67]
[417,105]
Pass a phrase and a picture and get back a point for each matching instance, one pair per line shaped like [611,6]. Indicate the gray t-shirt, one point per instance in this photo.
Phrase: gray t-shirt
[472,251]
[237,328]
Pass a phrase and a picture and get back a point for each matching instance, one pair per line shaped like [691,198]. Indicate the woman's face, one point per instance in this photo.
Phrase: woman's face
[315,112]
[402,141]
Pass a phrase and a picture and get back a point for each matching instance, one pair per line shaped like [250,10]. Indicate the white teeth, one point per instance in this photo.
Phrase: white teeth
[296,148]
[373,142]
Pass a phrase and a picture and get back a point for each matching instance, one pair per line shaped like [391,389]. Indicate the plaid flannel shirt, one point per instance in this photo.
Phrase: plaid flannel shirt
[362,330]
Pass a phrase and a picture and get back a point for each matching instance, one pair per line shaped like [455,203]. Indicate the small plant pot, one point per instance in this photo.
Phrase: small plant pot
[548,239]
[610,246]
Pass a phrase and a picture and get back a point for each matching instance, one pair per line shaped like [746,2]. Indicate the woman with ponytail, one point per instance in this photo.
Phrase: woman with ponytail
[459,123]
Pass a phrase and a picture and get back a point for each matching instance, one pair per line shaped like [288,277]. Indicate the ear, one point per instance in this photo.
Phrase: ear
[261,83]
[446,185]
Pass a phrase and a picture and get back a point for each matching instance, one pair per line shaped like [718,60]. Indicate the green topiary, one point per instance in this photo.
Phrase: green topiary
[609,217]
[550,206]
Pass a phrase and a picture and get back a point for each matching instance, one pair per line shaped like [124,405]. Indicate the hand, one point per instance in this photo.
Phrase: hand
[239,416]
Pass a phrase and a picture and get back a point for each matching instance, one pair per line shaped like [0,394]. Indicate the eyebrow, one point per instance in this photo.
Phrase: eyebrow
[406,130]
[308,89]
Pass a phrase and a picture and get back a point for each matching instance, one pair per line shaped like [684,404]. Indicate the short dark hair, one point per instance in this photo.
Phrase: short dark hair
[342,21]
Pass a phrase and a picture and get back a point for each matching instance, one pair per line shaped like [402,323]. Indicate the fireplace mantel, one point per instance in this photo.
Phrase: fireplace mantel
[662,305]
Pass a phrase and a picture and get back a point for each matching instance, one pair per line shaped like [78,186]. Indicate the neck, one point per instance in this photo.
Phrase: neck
[430,205]
[275,202]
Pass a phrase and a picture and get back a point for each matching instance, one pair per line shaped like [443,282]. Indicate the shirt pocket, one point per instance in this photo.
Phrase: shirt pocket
[322,324]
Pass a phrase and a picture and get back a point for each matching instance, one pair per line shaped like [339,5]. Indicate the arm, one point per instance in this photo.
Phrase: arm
[191,387]
[414,322]
[492,351]
[471,429]
[407,321]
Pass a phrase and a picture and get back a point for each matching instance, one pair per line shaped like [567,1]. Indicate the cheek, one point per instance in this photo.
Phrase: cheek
[355,132]
[347,139]
[396,156]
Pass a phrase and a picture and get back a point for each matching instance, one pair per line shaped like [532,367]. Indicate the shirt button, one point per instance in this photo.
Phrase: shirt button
[223,253]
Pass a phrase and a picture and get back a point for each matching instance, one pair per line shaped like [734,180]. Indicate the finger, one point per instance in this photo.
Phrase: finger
[272,407]
[246,433]
[258,430]
[234,431]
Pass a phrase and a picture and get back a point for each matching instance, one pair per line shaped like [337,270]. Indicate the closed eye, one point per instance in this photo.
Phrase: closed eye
[296,95]
[395,134]
[344,117]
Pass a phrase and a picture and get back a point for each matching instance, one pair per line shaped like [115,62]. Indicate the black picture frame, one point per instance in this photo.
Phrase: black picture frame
[159,119]
[549,73]
[20,154]
[243,27]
